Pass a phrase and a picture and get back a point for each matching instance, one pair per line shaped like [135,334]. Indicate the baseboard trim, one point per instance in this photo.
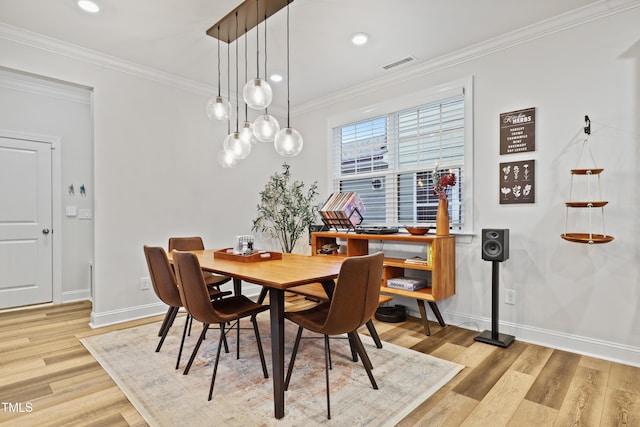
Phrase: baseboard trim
[601,349]
[78,295]
[113,317]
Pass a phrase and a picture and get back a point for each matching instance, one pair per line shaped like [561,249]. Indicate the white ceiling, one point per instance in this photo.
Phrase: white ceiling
[169,35]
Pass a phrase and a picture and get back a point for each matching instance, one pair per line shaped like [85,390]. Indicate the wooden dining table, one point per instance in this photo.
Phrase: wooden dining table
[277,275]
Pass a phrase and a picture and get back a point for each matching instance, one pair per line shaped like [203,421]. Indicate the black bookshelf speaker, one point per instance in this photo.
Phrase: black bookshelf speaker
[495,244]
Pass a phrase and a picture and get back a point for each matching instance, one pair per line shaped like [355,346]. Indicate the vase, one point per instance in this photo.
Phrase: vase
[442,218]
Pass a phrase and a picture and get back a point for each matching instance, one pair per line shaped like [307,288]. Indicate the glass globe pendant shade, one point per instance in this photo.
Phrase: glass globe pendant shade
[236,146]
[218,108]
[257,94]
[288,142]
[246,132]
[265,128]
[225,159]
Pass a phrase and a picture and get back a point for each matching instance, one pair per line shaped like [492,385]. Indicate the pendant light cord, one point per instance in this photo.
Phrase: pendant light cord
[266,75]
[237,96]
[288,71]
[257,39]
[218,60]
[228,79]
[246,66]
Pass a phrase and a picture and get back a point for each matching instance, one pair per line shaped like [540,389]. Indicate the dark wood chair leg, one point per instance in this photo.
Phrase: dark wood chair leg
[184,333]
[166,323]
[326,372]
[171,313]
[354,353]
[215,365]
[365,359]
[374,334]
[195,349]
[293,357]
[259,342]
[263,294]
[238,339]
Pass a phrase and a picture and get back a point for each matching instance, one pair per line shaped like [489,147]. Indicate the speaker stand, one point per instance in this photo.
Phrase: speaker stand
[493,337]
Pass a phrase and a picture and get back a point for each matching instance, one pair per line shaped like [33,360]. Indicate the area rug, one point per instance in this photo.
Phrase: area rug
[242,397]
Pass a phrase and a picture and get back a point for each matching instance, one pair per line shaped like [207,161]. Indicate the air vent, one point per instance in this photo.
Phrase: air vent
[399,62]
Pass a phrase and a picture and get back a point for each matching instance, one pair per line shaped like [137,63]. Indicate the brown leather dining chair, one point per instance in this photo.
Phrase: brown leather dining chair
[166,288]
[355,300]
[196,244]
[193,293]
[212,280]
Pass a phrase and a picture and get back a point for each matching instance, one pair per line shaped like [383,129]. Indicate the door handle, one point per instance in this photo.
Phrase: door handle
[45,231]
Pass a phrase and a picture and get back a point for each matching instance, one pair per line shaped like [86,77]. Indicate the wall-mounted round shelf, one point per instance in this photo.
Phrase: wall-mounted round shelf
[586,238]
[586,175]
[594,171]
[585,204]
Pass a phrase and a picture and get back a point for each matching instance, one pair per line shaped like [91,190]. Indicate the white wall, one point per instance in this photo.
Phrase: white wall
[156,176]
[36,106]
[568,295]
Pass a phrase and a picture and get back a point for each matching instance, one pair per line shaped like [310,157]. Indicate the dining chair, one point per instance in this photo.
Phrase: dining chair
[166,288]
[196,244]
[317,293]
[193,293]
[355,300]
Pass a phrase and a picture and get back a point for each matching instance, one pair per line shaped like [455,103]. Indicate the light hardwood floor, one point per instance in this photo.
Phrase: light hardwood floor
[45,369]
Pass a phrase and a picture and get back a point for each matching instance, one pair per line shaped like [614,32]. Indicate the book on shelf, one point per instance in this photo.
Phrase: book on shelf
[407,283]
[416,260]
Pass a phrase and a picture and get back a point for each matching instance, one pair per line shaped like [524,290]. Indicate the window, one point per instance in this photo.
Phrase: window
[389,160]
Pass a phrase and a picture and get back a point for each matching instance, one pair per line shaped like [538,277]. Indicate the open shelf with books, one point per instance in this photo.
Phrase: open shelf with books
[436,254]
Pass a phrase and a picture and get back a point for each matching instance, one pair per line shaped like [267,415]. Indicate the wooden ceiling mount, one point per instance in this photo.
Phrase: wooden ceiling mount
[248,18]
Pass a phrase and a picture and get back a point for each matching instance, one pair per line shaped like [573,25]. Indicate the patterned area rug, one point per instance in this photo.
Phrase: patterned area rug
[242,397]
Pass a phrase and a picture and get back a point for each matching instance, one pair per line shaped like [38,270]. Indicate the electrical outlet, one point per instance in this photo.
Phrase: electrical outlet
[145,283]
[509,296]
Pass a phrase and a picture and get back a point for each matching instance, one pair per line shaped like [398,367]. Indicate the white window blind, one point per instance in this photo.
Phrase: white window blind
[388,160]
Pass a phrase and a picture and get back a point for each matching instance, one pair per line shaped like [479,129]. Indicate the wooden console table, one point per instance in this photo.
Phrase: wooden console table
[439,251]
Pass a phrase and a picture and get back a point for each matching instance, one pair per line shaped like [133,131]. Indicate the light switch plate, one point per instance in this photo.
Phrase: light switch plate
[71,211]
[85,214]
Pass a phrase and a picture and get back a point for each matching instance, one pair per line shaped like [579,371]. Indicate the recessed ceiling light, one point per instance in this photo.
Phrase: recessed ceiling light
[88,6]
[276,78]
[359,39]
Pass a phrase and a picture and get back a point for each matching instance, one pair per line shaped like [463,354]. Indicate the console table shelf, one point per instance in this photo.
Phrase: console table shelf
[438,250]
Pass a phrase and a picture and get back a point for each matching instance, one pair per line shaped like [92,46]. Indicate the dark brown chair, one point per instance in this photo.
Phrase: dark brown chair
[354,301]
[193,293]
[196,244]
[166,288]
[316,292]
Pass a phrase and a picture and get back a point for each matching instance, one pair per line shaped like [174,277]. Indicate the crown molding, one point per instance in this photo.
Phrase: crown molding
[594,11]
[69,50]
[583,15]
[13,80]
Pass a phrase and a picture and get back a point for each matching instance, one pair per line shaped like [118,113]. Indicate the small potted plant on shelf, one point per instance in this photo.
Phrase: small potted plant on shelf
[286,209]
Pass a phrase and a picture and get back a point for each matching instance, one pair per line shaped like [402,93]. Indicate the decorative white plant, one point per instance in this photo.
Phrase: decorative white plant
[516,191]
[506,171]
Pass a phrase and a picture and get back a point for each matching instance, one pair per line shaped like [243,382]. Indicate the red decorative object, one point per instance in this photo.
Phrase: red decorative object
[441,182]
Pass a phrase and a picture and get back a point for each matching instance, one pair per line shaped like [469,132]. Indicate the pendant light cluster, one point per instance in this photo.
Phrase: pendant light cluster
[257,94]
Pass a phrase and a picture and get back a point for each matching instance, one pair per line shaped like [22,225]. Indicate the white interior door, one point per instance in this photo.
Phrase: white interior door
[25,223]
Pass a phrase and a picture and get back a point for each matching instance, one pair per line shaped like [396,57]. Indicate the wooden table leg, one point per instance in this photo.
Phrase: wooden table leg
[237,286]
[423,316]
[276,303]
[436,311]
